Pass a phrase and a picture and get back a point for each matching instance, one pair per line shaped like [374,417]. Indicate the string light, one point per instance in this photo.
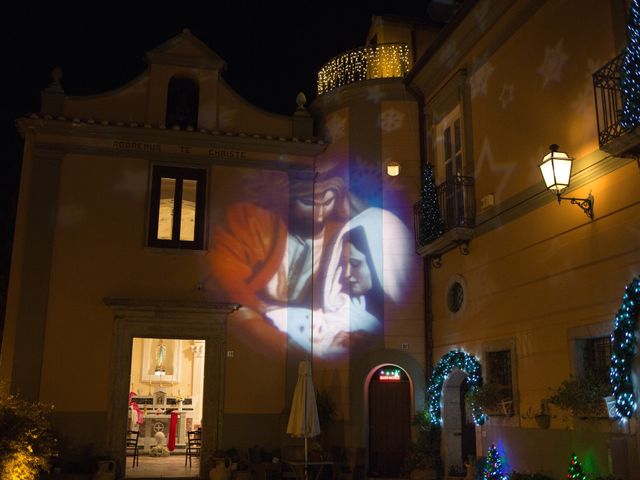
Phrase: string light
[431,225]
[493,466]
[468,364]
[575,469]
[624,350]
[387,60]
[630,81]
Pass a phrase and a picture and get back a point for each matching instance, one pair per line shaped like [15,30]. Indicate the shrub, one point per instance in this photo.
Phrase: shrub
[27,442]
[583,396]
[425,451]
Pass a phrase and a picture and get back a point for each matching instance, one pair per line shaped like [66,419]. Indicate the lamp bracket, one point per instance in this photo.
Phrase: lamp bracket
[586,204]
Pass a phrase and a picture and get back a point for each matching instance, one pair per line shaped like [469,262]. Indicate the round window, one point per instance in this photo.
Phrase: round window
[455,297]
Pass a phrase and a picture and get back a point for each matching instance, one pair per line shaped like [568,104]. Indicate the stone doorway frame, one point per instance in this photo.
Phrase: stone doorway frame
[451,418]
[167,319]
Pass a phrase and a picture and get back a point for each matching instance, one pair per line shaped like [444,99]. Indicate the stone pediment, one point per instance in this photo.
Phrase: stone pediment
[187,51]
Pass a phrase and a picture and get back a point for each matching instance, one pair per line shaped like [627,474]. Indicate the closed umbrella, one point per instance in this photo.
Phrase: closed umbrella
[303,419]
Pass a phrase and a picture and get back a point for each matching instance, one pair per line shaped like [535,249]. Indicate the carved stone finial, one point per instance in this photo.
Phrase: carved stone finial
[56,75]
[301,99]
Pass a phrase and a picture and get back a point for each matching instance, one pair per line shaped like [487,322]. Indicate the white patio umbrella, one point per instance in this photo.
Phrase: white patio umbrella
[303,419]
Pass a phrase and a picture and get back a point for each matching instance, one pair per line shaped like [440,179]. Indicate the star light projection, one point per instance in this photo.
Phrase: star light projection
[553,63]
[630,82]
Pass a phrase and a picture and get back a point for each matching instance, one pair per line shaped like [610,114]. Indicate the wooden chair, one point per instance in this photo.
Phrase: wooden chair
[132,443]
[194,444]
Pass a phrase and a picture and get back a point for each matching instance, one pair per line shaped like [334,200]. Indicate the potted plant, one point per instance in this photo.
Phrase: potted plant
[492,398]
[541,416]
[423,461]
[582,396]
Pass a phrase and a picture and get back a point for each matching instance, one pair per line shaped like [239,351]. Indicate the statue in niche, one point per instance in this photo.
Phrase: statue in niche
[161,355]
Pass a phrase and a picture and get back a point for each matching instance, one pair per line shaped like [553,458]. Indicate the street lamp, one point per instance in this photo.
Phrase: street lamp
[556,172]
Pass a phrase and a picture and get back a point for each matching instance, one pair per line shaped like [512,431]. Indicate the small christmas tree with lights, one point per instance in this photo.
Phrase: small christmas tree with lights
[575,469]
[493,466]
[431,225]
[630,82]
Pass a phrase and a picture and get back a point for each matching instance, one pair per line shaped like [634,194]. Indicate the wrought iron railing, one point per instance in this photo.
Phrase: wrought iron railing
[386,60]
[456,203]
[609,101]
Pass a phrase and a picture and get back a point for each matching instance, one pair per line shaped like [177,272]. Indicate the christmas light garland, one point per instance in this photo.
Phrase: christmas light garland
[386,60]
[630,81]
[624,350]
[468,364]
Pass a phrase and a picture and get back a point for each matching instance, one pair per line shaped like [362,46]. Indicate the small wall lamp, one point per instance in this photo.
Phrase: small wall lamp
[393,169]
[556,171]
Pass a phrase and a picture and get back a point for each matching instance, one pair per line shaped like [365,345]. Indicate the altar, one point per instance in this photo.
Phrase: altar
[159,422]
[157,417]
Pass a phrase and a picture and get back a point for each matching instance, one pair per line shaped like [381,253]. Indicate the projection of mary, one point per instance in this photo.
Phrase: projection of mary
[361,275]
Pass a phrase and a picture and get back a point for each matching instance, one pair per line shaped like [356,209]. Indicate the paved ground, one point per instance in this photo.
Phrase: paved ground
[162,467]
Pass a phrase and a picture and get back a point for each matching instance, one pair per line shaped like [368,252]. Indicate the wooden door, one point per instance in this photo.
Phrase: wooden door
[389,421]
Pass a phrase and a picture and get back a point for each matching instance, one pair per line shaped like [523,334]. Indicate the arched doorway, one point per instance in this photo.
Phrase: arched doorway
[389,421]
[458,428]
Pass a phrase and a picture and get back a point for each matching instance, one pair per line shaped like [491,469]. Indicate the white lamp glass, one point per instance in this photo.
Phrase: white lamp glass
[556,171]
[393,169]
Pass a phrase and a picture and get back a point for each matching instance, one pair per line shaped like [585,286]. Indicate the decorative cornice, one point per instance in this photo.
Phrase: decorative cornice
[184,306]
[90,126]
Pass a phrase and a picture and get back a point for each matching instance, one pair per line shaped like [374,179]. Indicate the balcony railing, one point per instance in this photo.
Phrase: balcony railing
[612,136]
[456,203]
[386,60]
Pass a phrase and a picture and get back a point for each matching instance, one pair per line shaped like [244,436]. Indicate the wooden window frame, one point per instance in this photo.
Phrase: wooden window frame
[179,174]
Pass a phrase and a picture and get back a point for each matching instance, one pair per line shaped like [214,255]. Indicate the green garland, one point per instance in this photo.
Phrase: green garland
[623,350]
[468,364]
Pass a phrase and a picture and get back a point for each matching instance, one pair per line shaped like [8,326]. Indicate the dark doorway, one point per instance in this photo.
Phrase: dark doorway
[468,446]
[389,421]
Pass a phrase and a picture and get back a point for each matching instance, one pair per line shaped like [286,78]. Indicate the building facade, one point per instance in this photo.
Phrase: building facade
[526,284]
[178,245]
[179,249]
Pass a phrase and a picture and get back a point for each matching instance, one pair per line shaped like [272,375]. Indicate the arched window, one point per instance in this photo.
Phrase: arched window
[182,102]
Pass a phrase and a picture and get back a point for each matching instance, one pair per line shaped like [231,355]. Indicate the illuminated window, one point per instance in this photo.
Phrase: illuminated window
[183,96]
[177,208]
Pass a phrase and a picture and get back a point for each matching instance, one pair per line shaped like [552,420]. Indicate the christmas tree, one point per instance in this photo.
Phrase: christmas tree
[431,225]
[630,82]
[575,469]
[493,466]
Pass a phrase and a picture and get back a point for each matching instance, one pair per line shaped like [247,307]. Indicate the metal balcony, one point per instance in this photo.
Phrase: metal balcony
[612,137]
[456,203]
[386,60]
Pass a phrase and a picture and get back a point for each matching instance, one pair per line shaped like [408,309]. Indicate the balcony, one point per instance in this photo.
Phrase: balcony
[386,60]
[456,204]
[612,136]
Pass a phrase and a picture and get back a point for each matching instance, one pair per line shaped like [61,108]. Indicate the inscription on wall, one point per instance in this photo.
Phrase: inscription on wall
[183,149]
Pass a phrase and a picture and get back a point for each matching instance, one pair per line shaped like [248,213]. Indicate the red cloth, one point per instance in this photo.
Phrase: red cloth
[173,423]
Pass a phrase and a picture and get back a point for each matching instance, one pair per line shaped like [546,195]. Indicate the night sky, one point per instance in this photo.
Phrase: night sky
[272,52]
